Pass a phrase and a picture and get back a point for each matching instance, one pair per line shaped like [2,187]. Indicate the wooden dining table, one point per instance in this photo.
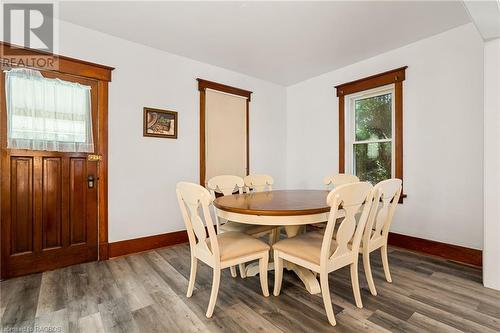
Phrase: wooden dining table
[291,209]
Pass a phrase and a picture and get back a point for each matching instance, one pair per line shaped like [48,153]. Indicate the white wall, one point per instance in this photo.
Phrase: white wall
[143,171]
[443,133]
[491,253]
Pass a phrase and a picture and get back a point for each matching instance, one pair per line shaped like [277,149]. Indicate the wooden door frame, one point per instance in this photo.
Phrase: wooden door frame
[65,65]
[203,85]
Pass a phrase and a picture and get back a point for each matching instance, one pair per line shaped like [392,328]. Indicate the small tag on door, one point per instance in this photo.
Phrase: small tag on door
[93,157]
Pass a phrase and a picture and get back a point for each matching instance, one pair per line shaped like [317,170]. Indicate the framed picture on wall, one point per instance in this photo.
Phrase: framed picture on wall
[160,123]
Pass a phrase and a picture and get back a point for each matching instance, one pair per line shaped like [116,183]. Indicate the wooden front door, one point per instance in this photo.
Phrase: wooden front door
[49,205]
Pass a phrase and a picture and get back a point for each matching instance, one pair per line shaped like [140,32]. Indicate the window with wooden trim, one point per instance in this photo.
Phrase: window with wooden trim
[371,126]
[224,127]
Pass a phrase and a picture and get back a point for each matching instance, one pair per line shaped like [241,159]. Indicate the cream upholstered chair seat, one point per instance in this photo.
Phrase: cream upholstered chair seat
[305,246]
[320,252]
[233,245]
[218,251]
[227,185]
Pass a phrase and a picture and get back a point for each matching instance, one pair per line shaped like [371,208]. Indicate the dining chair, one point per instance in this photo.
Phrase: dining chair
[385,199]
[338,179]
[333,181]
[259,183]
[218,251]
[322,254]
[227,185]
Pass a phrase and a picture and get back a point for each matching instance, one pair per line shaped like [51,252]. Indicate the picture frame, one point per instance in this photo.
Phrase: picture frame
[160,123]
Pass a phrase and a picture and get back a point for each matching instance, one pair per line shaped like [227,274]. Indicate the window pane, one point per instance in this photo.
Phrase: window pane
[373,118]
[47,114]
[373,161]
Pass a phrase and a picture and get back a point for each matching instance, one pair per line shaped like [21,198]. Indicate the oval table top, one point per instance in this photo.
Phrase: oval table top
[275,203]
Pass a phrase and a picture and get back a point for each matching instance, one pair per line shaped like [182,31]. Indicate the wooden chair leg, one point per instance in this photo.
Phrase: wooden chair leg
[192,276]
[278,273]
[215,291]
[243,271]
[355,284]
[385,263]
[263,264]
[325,292]
[368,273]
[233,271]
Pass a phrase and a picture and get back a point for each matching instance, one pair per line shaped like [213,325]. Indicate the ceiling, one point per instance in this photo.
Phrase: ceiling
[281,42]
[486,16]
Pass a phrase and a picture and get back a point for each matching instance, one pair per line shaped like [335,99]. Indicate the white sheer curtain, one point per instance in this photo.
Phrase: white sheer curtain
[47,114]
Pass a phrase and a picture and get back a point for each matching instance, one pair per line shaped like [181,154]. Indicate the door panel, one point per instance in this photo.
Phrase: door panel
[51,202]
[49,213]
[78,189]
[21,189]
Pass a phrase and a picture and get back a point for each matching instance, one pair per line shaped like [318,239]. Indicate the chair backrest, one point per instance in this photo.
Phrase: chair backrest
[194,201]
[385,200]
[225,184]
[352,198]
[259,183]
[338,179]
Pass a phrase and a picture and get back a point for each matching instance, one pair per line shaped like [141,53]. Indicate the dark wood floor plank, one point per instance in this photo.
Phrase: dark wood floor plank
[52,297]
[392,323]
[148,319]
[171,308]
[250,320]
[426,324]
[91,324]
[21,307]
[437,314]
[102,284]
[346,322]
[80,301]
[56,321]
[146,292]
[117,317]
[129,284]
[198,303]
[456,309]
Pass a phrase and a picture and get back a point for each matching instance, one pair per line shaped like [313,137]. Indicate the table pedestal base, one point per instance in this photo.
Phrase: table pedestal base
[307,277]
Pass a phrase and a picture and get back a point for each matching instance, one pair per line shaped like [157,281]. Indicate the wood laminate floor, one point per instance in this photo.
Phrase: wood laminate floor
[146,293]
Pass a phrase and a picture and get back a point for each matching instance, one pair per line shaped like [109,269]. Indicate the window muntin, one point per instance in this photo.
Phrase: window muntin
[369,136]
[47,114]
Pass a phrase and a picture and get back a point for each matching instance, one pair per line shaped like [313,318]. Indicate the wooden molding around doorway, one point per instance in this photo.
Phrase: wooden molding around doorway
[203,85]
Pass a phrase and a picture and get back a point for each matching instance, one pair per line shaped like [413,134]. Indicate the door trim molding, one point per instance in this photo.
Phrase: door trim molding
[65,64]
[76,67]
[203,85]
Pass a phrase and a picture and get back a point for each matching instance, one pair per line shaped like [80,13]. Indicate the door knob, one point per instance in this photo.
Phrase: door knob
[90,181]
